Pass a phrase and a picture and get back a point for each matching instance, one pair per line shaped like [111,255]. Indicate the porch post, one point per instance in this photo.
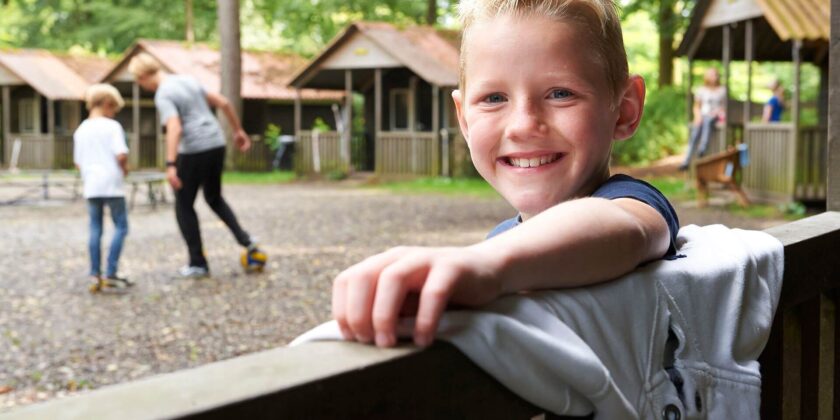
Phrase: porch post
[7,129]
[689,95]
[435,128]
[377,118]
[134,147]
[348,125]
[298,115]
[50,133]
[833,135]
[748,57]
[727,58]
[445,133]
[412,96]
[794,135]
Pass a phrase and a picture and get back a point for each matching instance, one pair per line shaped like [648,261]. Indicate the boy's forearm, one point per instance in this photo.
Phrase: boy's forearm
[173,137]
[577,243]
[231,116]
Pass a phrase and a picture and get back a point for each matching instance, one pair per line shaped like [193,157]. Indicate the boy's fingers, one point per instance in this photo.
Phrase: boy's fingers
[339,296]
[404,275]
[433,299]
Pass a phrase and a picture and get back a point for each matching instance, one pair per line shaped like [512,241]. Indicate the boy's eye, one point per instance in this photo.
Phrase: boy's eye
[494,98]
[560,94]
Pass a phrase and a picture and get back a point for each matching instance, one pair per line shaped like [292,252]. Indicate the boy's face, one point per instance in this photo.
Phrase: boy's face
[536,111]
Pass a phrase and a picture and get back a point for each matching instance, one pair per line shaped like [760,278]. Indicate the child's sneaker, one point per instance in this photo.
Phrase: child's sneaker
[194,272]
[253,260]
[118,282]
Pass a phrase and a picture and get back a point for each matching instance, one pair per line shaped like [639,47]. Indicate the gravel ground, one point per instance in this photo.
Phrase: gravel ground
[57,339]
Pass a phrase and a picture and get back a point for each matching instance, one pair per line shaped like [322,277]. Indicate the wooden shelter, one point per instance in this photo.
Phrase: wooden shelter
[42,104]
[787,159]
[406,76]
[265,97]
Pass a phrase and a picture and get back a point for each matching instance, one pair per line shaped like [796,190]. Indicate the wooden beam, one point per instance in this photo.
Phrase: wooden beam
[795,111]
[50,133]
[435,170]
[7,121]
[348,126]
[298,111]
[689,95]
[412,118]
[377,118]
[727,60]
[833,164]
[749,45]
[134,147]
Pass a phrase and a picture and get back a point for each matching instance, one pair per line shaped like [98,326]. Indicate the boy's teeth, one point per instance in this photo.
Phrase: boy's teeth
[532,162]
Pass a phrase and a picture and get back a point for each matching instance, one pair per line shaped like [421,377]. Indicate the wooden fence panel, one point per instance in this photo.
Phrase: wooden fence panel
[35,151]
[147,155]
[63,152]
[329,153]
[767,177]
[811,163]
[399,153]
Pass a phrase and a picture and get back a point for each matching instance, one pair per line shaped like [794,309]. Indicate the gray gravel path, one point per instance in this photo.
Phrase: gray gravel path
[57,339]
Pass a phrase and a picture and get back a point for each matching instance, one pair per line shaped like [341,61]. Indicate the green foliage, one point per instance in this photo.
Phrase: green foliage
[320,125]
[272,136]
[460,186]
[275,177]
[662,132]
[336,175]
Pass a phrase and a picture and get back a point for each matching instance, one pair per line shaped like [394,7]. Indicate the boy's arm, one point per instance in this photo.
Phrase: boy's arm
[122,161]
[576,243]
[240,138]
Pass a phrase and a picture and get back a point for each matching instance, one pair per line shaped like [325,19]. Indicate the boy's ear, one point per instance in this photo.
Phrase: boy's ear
[459,110]
[630,108]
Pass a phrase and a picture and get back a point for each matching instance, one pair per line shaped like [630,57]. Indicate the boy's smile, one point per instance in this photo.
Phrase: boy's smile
[536,110]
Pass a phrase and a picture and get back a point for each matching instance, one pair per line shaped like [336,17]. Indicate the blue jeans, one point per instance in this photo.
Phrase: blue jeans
[702,132]
[96,210]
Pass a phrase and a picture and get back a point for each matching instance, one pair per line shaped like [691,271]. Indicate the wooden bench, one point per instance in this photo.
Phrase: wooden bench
[720,168]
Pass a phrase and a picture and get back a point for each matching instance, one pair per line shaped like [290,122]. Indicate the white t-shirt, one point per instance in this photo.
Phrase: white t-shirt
[711,100]
[96,144]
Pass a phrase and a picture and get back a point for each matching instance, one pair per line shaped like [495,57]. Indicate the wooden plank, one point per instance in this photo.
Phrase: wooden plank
[134,147]
[297,111]
[435,168]
[377,116]
[6,122]
[727,72]
[791,364]
[51,149]
[348,129]
[827,350]
[833,164]
[749,44]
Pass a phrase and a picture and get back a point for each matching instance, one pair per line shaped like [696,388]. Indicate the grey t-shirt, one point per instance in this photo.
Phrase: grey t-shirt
[183,97]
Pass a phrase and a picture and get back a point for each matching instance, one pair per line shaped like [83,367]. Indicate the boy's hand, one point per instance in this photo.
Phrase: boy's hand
[369,297]
[172,177]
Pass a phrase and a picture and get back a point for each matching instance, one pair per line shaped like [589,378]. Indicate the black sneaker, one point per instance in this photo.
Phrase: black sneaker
[119,282]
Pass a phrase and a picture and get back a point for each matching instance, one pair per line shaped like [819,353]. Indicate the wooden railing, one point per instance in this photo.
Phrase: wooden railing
[256,159]
[318,156]
[148,153]
[399,153]
[343,380]
[63,152]
[784,166]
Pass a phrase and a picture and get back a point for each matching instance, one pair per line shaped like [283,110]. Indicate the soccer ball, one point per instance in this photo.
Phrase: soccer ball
[253,261]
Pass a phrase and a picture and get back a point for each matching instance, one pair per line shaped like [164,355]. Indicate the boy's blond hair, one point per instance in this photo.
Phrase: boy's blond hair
[598,17]
[143,65]
[100,94]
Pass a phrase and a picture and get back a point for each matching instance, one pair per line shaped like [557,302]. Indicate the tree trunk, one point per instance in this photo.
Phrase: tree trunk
[667,26]
[431,13]
[231,60]
[188,21]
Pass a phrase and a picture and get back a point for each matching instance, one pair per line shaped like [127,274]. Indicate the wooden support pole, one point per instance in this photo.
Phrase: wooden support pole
[727,61]
[412,118]
[298,115]
[7,128]
[833,164]
[51,134]
[435,169]
[689,95]
[795,107]
[348,124]
[749,45]
[134,147]
[377,117]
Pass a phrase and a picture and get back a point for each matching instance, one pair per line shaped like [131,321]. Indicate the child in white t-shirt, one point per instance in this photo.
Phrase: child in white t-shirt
[100,153]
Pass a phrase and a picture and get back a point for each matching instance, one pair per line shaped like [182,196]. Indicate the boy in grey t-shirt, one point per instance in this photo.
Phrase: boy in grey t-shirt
[195,153]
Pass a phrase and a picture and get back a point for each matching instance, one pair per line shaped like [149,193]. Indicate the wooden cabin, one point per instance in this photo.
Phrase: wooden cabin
[266,99]
[787,159]
[406,77]
[42,104]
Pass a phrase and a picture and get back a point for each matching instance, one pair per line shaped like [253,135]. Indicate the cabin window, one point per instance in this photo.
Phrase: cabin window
[399,109]
[28,115]
[67,116]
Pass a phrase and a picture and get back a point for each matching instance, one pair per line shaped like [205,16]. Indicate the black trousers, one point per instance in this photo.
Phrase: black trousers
[203,170]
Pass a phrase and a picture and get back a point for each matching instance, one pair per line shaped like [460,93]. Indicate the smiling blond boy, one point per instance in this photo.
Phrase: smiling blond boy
[544,92]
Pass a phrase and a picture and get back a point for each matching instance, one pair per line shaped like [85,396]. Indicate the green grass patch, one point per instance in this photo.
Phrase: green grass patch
[274,177]
[462,186]
[675,189]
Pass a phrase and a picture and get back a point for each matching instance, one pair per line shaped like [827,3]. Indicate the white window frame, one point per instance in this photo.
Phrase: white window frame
[393,109]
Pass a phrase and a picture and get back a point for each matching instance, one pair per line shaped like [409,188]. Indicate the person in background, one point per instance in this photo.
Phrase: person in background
[101,155]
[776,104]
[709,101]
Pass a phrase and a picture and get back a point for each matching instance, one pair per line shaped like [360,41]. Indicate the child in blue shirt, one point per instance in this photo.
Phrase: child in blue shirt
[544,92]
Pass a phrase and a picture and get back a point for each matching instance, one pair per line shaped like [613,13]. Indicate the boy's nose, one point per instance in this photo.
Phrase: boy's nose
[525,122]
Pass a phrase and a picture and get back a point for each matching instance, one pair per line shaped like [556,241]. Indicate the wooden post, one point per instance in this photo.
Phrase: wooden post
[50,133]
[230,75]
[795,107]
[689,95]
[833,136]
[7,120]
[134,147]
[298,111]
[748,57]
[348,125]
[412,126]
[435,128]
[727,59]
[377,117]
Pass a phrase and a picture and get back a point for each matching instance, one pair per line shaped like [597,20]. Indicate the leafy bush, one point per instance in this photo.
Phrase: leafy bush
[272,136]
[662,132]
